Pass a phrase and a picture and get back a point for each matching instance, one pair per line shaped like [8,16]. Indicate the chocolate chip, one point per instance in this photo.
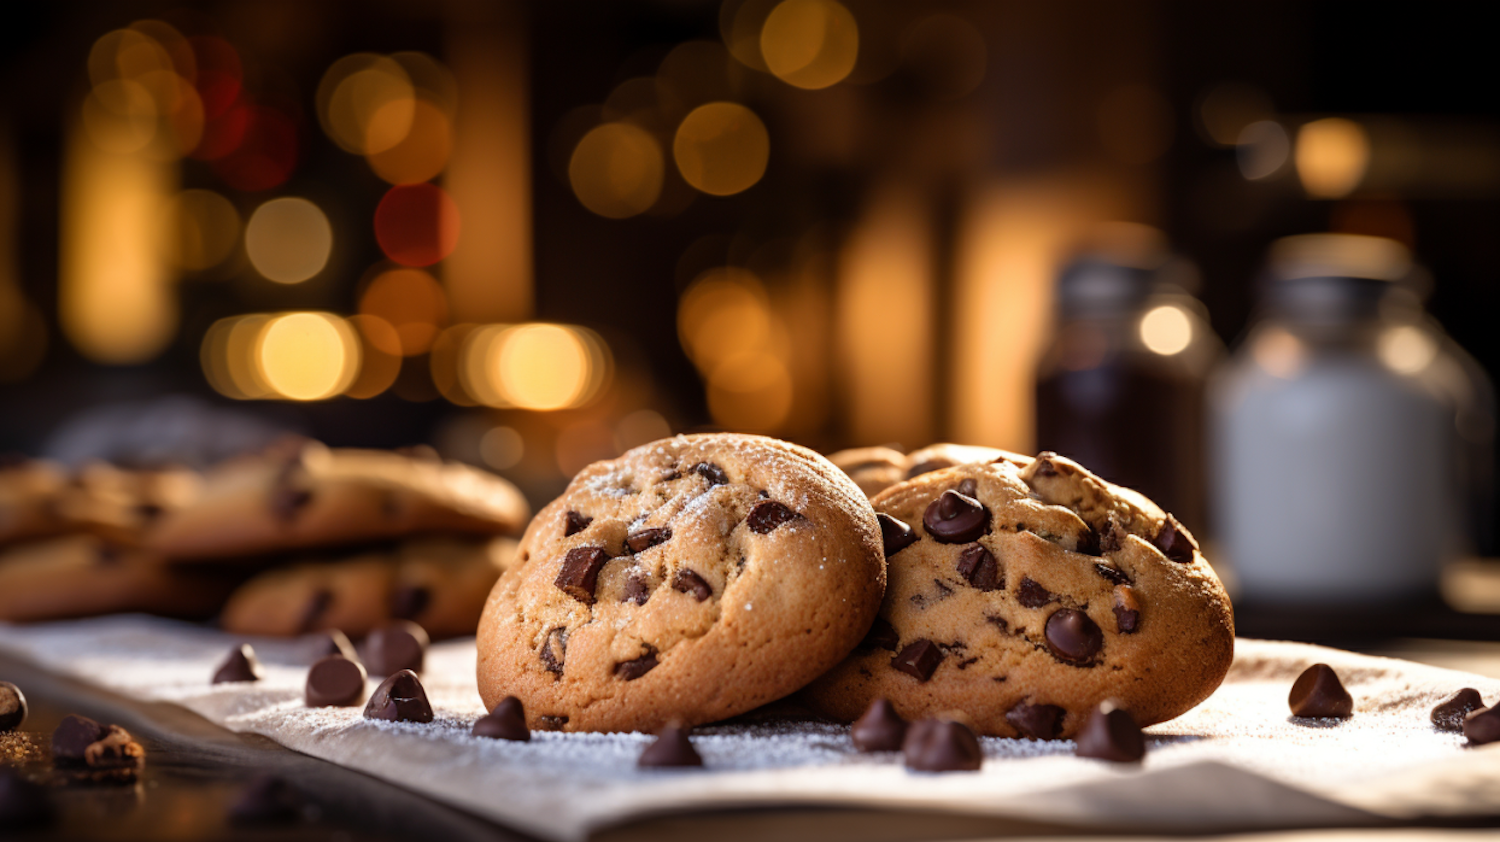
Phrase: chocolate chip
[506,722]
[551,722]
[1110,733]
[23,804]
[576,523]
[288,501]
[918,659]
[1113,574]
[267,800]
[1112,539]
[687,581]
[1448,716]
[1317,692]
[1072,636]
[882,635]
[711,472]
[580,573]
[631,670]
[1045,467]
[941,745]
[73,737]
[334,642]
[927,467]
[645,539]
[12,707]
[1031,594]
[554,650]
[313,611]
[1127,610]
[968,488]
[1088,542]
[400,698]
[401,645]
[978,567]
[1174,542]
[637,589]
[955,518]
[880,728]
[895,534]
[671,748]
[1483,726]
[998,622]
[409,601]
[335,682]
[766,515]
[1037,722]
[241,665]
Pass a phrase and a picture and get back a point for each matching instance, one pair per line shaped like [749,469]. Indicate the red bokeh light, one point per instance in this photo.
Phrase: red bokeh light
[265,156]
[219,74]
[417,224]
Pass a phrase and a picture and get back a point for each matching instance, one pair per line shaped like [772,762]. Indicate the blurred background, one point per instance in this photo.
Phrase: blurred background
[534,235]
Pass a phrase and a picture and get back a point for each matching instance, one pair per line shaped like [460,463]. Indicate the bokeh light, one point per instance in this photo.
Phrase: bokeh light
[417,224]
[740,24]
[1332,156]
[1166,330]
[722,148]
[750,392]
[810,43]
[307,356]
[120,116]
[501,448]
[1227,108]
[616,170]
[1262,150]
[419,155]
[723,313]
[534,366]
[947,53]
[142,98]
[446,362]
[228,358]
[698,72]
[220,74]
[288,240]
[640,427]
[379,355]
[204,229]
[357,88]
[266,153]
[1406,349]
[412,302]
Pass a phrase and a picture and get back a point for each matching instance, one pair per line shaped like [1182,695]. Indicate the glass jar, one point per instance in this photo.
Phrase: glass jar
[1347,431]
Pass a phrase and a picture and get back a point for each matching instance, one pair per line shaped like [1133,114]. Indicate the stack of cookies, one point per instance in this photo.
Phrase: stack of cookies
[698,577]
[347,539]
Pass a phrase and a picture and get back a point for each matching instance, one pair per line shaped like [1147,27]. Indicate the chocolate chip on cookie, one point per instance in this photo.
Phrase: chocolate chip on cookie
[689,582]
[767,515]
[576,523]
[895,535]
[580,573]
[644,539]
[918,659]
[978,567]
[1072,636]
[956,518]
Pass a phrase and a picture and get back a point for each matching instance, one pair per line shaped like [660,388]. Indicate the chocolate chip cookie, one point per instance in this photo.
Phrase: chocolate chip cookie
[318,497]
[1025,595]
[874,469]
[691,579]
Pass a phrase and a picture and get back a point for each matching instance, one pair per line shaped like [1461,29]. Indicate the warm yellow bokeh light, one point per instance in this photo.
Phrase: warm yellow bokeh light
[354,90]
[412,302]
[1332,156]
[722,148]
[810,43]
[120,116]
[724,313]
[422,152]
[288,240]
[204,228]
[1166,330]
[752,392]
[1406,349]
[540,367]
[228,356]
[308,356]
[501,448]
[616,170]
[379,355]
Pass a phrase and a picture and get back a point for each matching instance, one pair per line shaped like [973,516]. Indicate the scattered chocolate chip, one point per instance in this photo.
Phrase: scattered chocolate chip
[73,737]
[645,539]
[288,501]
[882,635]
[637,589]
[998,622]
[955,518]
[580,573]
[241,665]
[334,642]
[978,567]
[396,646]
[766,515]
[1037,722]
[1088,542]
[409,601]
[968,488]
[506,722]
[879,729]
[316,605]
[1112,539]
[576,523]
[1031,594]
[267,800]
[23,804]
[927,467]
[12,707]
[1448,716]
[1483,726]
[1317,692]
[687,581]
[1127,610]
[895,534]
[1174,542]
[1072,636]
[941,745]
[551,722]
[918,659]
[671,748]
[1110,733]
[400,698]
[554,650]
[633,669]
[1113,574]
[335,682]
[711,472]
[1045,467]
